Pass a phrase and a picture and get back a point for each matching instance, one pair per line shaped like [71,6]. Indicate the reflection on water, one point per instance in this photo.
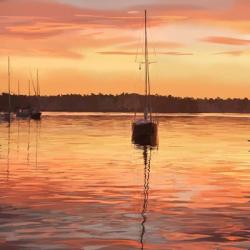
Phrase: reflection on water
[76,182]
[28,144]
[8,154]
[147,164]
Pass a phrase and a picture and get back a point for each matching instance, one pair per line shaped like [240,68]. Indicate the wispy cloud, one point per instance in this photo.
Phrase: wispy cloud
[231,53]
[176,53]
[226,40]
[171,53]
[48,18]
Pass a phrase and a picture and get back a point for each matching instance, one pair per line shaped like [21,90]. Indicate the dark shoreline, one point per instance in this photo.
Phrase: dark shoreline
[128,103]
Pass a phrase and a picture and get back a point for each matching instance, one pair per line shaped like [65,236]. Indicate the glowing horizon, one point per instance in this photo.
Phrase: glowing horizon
[83,47]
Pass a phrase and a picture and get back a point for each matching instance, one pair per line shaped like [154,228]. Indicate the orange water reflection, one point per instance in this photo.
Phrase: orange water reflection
[73,182]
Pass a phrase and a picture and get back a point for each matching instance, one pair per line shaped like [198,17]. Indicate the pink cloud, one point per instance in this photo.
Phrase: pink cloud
[56,28]
[40,19]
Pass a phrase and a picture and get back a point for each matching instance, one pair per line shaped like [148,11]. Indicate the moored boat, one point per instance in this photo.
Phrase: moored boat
[145,130]
[23,113]
[35,115]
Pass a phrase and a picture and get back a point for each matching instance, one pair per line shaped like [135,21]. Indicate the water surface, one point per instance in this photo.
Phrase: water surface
[75,181]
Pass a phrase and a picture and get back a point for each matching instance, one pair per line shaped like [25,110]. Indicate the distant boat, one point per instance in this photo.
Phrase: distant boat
[145,130]
[35,115]
[7,116]
[30,111]
[23,112]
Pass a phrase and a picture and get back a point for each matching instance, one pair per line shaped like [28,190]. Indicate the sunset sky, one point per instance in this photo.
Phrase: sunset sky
[84,46]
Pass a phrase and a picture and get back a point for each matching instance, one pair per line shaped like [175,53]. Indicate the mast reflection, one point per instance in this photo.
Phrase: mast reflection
[147,164]
[38,126]
[146,149]
[28,144]
[18,137]
[33,142]
[8,152]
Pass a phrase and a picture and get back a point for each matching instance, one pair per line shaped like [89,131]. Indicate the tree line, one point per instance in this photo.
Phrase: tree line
[127,103]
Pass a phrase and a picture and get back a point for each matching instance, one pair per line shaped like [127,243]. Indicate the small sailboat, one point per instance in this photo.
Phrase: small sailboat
[145,130]
[35,114]
[22,112]
[7,116]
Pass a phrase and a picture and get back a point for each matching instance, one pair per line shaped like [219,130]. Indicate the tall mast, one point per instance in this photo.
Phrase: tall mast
[9,83]
[146,69]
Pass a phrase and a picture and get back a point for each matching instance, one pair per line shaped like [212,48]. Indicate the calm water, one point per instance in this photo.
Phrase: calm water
[77,182]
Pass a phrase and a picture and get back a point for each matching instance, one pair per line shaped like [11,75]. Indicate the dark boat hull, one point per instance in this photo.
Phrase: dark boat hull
[145,133]
[36,116]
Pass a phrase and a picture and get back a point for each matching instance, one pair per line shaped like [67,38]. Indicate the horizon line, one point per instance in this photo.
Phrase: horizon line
[126,93]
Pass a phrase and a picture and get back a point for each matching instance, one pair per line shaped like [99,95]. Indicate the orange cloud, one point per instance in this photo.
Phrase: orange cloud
[43,18]
[226,40]
[71,45]
[126,53]
[155,44]
[231,53]
[175,53]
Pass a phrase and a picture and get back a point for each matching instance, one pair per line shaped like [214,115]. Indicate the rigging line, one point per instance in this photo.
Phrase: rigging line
[137,78]
[149,97]
[152,42]
[140,41]
[155,54]
[141,52]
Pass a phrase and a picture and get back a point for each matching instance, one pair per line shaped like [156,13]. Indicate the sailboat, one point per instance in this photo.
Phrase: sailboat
[22,112]
[36,112]
[7,116]
[145,130]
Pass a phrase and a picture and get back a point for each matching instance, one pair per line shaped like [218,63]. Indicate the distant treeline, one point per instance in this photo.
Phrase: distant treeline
[127,103]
